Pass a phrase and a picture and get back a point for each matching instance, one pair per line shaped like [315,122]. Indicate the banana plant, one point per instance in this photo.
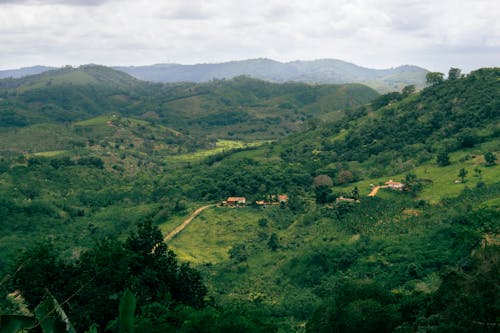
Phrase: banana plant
[49,315]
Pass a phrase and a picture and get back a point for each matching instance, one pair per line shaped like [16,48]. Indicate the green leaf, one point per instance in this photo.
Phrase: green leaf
[52,317]
[15,323]
[126,315]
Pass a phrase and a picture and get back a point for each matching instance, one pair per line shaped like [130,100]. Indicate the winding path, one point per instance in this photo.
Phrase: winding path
[184,224]
[375,190]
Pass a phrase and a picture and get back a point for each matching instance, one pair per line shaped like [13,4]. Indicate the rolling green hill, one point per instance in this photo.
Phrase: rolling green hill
[316,71]
[420,259]
[241,108]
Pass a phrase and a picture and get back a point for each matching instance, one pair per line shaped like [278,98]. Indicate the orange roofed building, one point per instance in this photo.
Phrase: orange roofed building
[236,201]
[394,185]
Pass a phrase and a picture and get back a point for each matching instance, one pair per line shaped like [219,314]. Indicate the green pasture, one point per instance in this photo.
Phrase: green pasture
[220,147]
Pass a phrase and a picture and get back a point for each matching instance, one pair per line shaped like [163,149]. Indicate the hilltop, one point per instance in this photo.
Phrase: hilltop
[324,71]
[316,71]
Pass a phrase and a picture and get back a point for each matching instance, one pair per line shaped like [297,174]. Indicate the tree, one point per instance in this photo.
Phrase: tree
[238,253]
[355,193]
[412,183]
[408,90]
[477,172]
[433,78]
[273,242]
[322,194]
[142,264]
[454,73]
[443,159]
[490,158]
[462,174]
[322,180]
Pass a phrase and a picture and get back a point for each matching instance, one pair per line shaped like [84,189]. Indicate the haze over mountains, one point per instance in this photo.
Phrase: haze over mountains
[317,71]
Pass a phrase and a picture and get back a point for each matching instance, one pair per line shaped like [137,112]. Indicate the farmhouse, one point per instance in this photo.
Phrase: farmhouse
[236,201]
[283,198]
[394,185]
[280,199]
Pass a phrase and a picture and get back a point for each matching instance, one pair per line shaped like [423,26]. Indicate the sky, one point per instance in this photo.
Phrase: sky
[434,34]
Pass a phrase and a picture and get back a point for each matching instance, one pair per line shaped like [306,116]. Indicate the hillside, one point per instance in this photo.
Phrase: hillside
[317,71]
[382,252]
[423,258]
[241,108]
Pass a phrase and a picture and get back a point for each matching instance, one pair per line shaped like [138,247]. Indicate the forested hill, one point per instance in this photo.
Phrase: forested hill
[237,108]
[445,117]
[316,71]
[83,75]
[323,71]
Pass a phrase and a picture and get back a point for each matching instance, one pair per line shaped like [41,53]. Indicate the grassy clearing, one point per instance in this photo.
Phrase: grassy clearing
[73,77]
[445,180]
[220,147]
[101,120]
[210,235]
[38,138]
[50,153]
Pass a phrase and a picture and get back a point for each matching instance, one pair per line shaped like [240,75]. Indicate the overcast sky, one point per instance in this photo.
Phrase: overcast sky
[435,34]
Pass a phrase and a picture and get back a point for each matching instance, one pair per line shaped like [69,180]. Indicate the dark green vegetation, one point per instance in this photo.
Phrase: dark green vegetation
[421,259]
[239,108]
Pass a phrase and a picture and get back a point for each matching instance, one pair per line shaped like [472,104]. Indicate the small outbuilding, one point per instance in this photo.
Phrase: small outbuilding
[342,199]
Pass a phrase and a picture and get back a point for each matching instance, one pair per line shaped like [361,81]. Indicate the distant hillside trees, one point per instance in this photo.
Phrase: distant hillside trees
[433,78]
[454,73]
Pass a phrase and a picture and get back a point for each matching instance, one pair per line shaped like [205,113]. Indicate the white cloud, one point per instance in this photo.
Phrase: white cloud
[376,33]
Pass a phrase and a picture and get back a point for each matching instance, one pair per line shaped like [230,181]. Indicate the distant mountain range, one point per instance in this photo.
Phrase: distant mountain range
[25,71]
[316,71]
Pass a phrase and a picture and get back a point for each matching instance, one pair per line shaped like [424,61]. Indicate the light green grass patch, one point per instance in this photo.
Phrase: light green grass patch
[100,120]
[445,180]
[73,77]
[50,153]
[210,235]
[220,146]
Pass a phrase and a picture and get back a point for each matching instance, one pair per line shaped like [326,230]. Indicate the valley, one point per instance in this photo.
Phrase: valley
[97,168]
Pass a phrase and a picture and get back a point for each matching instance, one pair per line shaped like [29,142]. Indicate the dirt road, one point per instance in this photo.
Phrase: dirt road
[375,190]
[184,224]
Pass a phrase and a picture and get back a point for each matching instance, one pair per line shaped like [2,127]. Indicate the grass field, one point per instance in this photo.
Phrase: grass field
[445,180]
[220,147]
[50,153]
[210,235]
[101,120]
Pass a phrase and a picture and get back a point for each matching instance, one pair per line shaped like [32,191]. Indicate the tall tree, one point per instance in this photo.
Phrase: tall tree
[408,90]
[490,158]
[443,159]
[433,78]
[462,174]
[454,73]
